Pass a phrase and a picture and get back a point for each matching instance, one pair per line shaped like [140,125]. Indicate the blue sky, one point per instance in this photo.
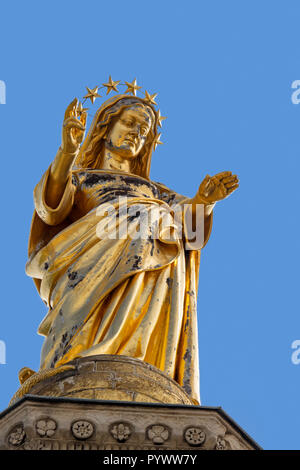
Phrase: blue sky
[223,73]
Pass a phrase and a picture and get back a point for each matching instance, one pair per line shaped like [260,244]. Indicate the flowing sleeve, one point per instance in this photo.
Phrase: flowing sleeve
[57,215]
[174,200]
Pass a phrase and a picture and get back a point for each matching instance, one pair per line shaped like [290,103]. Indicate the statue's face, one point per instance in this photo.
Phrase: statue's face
[128,134]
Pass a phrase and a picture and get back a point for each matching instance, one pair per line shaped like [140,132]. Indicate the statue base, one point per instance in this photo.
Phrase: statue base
[106,377]
[113,403]
[59,423]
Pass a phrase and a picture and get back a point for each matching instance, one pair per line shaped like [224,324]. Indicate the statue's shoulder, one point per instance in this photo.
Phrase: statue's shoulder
[161,185]
[90,178]
[168,195]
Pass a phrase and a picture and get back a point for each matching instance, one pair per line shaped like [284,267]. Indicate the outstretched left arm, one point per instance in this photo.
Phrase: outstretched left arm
[211,190]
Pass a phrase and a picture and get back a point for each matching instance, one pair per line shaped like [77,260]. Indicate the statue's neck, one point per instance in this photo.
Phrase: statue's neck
[113,161]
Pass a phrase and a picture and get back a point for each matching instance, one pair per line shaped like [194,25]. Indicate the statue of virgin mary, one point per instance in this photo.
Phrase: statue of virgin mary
[123,295]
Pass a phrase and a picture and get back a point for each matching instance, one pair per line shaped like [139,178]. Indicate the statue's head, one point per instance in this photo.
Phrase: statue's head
[127,126]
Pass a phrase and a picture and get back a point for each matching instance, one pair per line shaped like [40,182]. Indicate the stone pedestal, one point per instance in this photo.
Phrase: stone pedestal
[113,403]
[57,423]
[106,377]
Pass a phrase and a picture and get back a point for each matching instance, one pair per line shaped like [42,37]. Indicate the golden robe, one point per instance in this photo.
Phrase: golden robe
[123,295]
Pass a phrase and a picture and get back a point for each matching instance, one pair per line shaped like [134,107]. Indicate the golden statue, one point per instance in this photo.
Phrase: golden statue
[126,295]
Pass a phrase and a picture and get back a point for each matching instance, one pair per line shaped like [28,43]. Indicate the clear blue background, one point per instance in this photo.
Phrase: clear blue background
[223,71]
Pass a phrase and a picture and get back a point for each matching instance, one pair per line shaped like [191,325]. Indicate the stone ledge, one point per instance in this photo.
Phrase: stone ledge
[36,422]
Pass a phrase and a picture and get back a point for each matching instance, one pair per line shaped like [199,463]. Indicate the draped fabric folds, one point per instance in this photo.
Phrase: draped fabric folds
[112,294]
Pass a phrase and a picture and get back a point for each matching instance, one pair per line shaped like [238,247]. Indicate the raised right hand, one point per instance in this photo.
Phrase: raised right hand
[73,129]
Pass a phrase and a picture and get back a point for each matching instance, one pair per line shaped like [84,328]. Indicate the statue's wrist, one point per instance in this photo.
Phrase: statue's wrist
[201,200]
[68,153]
[62,164]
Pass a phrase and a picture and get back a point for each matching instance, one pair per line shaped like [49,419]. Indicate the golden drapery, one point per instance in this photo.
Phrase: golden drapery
[123,296]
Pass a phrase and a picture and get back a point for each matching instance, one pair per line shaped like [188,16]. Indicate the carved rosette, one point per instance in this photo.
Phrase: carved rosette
[158,433]
[120,431]
[82,429]
[45,427]
[194,436]
[17,435]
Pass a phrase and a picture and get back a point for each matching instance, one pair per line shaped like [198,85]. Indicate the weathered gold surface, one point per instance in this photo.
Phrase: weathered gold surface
[116,296]
[25,373]
[36,378]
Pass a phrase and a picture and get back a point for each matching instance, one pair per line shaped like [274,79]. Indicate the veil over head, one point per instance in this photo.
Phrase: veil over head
[109,109]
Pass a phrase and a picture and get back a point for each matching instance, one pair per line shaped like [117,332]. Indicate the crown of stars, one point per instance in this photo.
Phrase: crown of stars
[157,141]
[150,98]
[132,88]
[92,94]
[111,85]
[160,118]
[81,109]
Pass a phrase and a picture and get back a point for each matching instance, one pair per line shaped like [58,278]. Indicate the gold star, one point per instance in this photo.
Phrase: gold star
[111,85]
[92,94]
[132,87]
[157,141]
[160,118]
[81,109]
[150,98]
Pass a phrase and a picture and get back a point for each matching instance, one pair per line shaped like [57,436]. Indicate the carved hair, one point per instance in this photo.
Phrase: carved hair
[93,155]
